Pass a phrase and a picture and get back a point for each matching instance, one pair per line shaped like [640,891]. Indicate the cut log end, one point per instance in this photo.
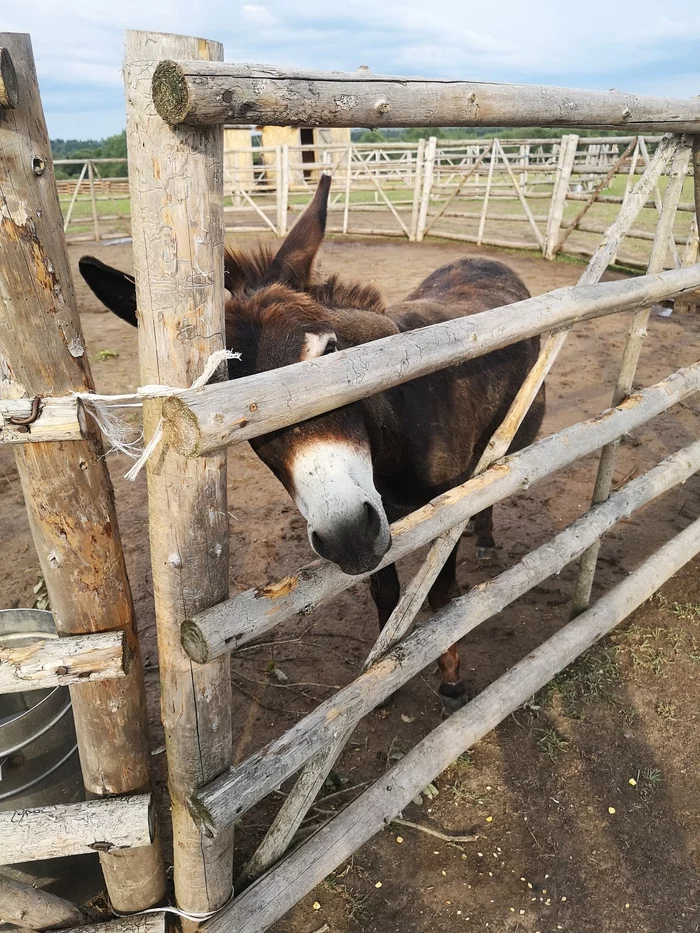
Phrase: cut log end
[193,642]
[9,89]
[171,97]
[181,430]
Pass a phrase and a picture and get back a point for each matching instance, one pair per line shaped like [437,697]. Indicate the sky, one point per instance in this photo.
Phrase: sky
[633,45]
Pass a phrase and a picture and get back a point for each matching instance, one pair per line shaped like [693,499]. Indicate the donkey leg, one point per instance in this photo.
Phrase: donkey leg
[483,526]
[453,692]
[385,589]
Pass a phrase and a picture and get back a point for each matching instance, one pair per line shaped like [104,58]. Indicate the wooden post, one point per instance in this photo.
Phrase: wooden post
[146,923]
[72,829]
[428,170]
[79,182]
[283,886]
[284,206]
[417,180]
[74,524]
[281,206]
[485,204]
[9,91]
[348,184]
[176,180]
[628,368]
[93,202]
[567,154]
[28,907]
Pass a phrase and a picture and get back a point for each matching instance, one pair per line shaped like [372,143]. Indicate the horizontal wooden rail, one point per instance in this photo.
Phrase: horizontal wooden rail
[205,93]
[268,899]
[250,614]
[30,908]
[201,420]
[100,825]
[34,420]
[223,800]
[53,662]
[145,923]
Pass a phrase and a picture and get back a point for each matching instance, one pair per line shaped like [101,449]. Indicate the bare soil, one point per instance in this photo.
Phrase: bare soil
[566,840]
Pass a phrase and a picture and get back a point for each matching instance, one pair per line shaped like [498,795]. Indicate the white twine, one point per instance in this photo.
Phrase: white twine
[195,917]
[120,434]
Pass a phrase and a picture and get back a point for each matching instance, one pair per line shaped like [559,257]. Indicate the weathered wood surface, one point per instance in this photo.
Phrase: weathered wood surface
[66,486]
[628,368]
[147,923]
[31,908]
[59,419]
[53,662]
[98,825]
[275,893]
[250,614]
[226,798]
[9,91]
[202,420]
[213,93]
[176,181]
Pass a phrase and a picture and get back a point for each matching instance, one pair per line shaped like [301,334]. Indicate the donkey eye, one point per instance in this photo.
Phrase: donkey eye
[331,346]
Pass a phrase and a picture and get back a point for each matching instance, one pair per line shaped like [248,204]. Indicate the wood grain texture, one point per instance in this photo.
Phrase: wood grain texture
[59,419]
[212,93]
[76,828]
[221,802]
[66,486]
[55,662]
[284,885]
[148,923]
[31,908]
[176,179]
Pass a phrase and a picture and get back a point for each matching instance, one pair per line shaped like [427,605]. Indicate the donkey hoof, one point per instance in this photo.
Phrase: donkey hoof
[469,530]
[453,697]
[485,554]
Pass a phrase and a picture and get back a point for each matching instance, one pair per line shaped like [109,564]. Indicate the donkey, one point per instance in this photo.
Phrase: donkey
[354,470]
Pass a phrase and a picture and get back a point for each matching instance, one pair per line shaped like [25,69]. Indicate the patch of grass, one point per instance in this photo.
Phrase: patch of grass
[650,778]
[551,742]
[665,710]
[103,355]
[655,648]
[591,677]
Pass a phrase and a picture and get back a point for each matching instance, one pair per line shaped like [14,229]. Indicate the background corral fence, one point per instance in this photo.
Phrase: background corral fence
[177,188]
[551,196]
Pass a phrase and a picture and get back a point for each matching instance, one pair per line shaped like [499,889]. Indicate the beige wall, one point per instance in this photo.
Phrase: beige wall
[290,135]
[238,165]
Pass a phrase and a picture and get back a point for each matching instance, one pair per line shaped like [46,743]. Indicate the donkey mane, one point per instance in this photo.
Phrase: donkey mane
[337,295]
[243,270]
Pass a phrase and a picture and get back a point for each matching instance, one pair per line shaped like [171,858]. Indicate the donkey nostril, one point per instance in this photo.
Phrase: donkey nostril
[373,523]
[316,542]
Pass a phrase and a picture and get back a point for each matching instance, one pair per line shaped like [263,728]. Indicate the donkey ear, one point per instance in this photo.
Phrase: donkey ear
[115,289]
[292,264]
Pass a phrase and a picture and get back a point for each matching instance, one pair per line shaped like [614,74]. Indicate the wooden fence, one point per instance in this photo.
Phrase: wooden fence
[177,171]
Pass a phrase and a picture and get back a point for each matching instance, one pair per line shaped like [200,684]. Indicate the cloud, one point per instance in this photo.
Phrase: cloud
[632,45]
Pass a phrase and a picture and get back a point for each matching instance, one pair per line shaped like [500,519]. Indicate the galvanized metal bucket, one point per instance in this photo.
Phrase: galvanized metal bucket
[39,762]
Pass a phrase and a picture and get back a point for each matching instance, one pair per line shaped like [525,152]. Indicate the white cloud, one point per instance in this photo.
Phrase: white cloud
[632,45]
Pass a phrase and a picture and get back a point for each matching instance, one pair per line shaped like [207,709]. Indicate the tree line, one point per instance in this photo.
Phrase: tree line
[113,147]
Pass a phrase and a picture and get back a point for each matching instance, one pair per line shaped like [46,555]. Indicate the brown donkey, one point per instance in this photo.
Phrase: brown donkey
[354,470]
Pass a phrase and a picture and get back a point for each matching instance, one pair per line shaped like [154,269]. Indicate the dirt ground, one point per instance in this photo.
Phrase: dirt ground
[586,801]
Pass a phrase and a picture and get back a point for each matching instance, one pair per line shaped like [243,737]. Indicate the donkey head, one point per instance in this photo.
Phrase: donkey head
[274,320]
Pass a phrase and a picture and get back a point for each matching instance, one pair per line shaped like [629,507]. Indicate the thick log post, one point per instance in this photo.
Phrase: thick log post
[77,828]
[66,485]
[176,179]
[31,908]
[206,93]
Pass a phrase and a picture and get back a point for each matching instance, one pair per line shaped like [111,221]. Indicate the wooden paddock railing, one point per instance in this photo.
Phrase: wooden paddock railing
[177,189]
